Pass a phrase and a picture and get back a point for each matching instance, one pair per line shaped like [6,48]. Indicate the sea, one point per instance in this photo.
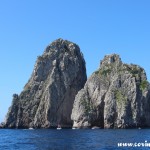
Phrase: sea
[79,139]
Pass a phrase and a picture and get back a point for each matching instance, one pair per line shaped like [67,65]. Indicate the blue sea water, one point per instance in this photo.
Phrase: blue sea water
[68,139]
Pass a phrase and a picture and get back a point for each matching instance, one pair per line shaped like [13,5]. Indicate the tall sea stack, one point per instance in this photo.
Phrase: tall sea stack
[48,97]
[115,96]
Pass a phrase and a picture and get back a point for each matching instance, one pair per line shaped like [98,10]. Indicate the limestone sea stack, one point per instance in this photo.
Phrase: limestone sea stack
[48,97]
[117,95]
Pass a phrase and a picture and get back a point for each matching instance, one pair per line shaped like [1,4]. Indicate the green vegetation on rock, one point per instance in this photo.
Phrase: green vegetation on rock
[96,72]
[87,106]
[105,72]
[143,85]
[134,70]
[120,98]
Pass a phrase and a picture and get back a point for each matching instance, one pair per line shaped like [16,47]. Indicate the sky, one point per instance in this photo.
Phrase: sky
[99,27]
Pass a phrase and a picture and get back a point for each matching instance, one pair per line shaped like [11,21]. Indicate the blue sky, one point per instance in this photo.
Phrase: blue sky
[99,27]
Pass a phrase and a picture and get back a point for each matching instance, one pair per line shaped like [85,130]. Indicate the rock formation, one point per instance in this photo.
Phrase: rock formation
[48,97]
[115,96]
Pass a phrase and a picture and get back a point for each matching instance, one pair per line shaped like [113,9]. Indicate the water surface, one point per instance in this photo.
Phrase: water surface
[68,139]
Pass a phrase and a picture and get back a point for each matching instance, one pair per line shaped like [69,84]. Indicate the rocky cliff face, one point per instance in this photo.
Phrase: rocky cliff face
[115,96]
[47,98]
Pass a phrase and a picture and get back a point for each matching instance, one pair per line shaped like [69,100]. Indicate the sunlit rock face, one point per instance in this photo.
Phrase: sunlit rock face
[48,97]
[117,95]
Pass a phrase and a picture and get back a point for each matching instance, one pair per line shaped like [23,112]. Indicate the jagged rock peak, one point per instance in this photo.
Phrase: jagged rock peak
[108,59]
[48,96]
[117,95]
[61,45]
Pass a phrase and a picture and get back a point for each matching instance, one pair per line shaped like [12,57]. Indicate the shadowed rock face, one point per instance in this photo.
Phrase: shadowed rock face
[115,96]
[47,98]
